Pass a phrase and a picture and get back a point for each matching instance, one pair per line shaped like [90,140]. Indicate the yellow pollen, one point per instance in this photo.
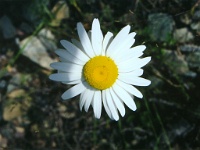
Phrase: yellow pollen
[100,72]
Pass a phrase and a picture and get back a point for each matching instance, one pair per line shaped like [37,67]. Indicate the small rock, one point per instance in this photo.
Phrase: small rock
[34,11]
[7,28]
[183,35]
[196,15]
[16,93]
[36,48]
[193,59]
[47,39]
[161,26]
[20,132]
[176,63]
[14,83]
[189,48]
[61,11]
[2,84]
[3,142]
[191,74]
[186,19]
[12,111]
[3,61]
[129,18]
[195,26]
[61,108]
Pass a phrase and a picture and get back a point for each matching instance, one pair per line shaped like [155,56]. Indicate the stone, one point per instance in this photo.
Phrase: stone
[175,62]
[2,84]
[196,15]
[35,11]
[129,18]
[47,39]
[19,132]
[17,103]
[186,19]
[60,11]
[12,111]
[16,93]
[189,48]
[3,142]
[7,28]
[14,83]
[160,26]
[193,59]
[191,74]
[195,26]
[183,35]
[36,48]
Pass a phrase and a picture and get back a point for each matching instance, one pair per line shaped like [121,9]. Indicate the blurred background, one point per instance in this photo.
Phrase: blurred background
[32,114]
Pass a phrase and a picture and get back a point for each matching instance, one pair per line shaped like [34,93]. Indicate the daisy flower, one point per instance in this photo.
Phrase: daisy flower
[103,69]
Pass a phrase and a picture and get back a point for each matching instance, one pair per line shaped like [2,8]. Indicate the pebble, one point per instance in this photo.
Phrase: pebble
[7,28]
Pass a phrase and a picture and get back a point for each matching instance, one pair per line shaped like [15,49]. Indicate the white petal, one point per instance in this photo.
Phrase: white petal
[130,89]
[65,76]
[111,105]
[85,41]
[78,44]
[134,73]
[138,49]
[75,51]
[72,82]
[118,102]
[69,57]
[124,96]
[107,109]
[97,37]
[74,91]
[106,42]
[90,96]
[66,67]
[64,60]
[89,35]
[83,99]
[133,64]
[131,53]
[127,57]
[119,37]
[123,45]
[97,104]
[138,81]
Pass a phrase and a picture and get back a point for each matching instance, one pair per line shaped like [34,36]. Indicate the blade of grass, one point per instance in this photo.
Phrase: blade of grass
[151,123]
[162,126]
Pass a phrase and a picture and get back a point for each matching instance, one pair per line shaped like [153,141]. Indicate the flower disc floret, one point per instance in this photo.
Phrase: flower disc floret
[100,72]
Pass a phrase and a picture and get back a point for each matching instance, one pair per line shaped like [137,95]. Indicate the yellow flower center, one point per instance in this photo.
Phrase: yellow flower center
[100,72]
